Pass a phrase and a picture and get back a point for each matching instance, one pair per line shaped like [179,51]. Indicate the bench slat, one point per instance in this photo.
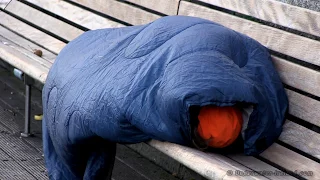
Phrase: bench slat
[276,12]
[298,76]
[17,48]
[75,14]
[44,21]
[301,138]
[121,11]
[293,134]
[31,33]
[16,39]
[169,7]
[299,47]
[209,165]
[23,61]
[291,160]
[304,107]
[4,3]
[260,166]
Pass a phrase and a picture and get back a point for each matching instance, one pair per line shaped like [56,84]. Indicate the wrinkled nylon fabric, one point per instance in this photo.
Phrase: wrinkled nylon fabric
[132,84]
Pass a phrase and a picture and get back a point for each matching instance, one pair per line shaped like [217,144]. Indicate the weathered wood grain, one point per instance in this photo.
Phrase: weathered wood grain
[7,43]
[75,14]
[291,160]
[4,3]
[44,21]
[31,64]
[293,134]
[210,165]
[275,39]
[304,107]
[298,76]
[260,166]
[31,33]
[28,45]
[301,138]
[169,7]
[121,11]
[276,12]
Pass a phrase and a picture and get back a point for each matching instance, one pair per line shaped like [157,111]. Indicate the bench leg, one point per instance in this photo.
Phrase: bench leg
[28,82]
[27,114]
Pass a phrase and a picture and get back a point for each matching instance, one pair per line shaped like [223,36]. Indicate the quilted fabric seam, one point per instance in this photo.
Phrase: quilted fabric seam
[164,41]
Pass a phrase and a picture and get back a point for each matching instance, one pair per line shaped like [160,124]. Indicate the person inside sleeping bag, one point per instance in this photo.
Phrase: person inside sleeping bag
[180,79]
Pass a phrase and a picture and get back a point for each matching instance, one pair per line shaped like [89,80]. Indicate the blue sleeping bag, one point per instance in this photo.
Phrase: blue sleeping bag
[132,84]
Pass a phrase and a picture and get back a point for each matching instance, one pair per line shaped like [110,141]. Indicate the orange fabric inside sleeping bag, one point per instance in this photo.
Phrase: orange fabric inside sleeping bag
[220,125]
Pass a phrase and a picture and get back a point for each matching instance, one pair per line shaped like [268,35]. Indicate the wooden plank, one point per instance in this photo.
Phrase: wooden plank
[301,138]
[20,41]
[169,7]
[27,158]
[30,64]
[44,21]
[75,14]
[293,134]
[298,76]
[31,33]
[9,168]
[304,107]
[210,165]
[4,3]
[121,11]
[292,161]
[293,17]
[261,167]
[25,52]
[275,39]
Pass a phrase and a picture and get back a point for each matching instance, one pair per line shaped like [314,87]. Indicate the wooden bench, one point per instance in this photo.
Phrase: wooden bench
[291,33]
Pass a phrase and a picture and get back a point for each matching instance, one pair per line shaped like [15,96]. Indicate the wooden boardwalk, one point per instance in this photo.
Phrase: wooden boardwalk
[21,158]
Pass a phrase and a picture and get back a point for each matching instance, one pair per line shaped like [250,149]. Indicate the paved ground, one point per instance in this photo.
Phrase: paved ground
[21,158]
